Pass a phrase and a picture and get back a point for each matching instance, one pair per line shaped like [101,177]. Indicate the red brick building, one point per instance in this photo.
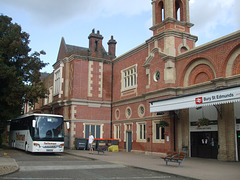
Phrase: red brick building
[165,79]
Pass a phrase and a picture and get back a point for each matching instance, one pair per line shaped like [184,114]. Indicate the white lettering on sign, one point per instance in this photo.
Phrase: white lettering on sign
[217,97]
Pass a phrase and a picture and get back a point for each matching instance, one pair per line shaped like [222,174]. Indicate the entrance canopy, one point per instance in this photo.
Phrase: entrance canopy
[207,98]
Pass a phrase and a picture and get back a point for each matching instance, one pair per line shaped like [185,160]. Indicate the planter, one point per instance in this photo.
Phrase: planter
[203,122]
[163,124]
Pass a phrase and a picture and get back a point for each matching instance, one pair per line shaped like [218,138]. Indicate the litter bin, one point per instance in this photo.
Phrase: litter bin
[101,145]
[81,143]
[101,142]
[95,144]
[112,142]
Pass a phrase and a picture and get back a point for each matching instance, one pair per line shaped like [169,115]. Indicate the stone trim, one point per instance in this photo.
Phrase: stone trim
[73,112]
[90,76]
[179,91]
[82,58]
[87,121]
[195,64]
[152,39]
[117,114]
[141,114]
[172,33]
[101,80]
[138,125]
[210,45]
[82,102]
[149,118]
[61,80]
[130,53]
[230,64]
[171,20]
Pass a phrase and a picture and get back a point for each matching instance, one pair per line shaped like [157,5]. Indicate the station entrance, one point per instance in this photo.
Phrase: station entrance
[204,144]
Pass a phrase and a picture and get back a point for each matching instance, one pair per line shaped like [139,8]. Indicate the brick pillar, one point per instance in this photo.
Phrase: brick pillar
[183,130]
[72,134]
[226,134]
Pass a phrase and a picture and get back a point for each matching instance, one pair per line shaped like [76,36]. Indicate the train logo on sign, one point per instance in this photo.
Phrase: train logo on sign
[199,100]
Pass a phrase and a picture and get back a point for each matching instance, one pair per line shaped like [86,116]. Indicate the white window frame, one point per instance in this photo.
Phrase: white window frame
[129,78]
[89,124]
[127,127]
[141,132]
[117,131]
[160,140]
[50,96]
[45,101]
[140,113]
[128,112]
[58,80]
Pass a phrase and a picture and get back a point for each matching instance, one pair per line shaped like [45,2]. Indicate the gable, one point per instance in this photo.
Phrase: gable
[62,53]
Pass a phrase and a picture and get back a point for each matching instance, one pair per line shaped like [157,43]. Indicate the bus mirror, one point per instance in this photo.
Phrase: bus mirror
[34,123]
[68,125]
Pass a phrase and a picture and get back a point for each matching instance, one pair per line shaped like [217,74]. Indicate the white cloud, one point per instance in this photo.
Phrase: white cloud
[50,11]
[125,7]
[192,1]
[52,19]
[60,11]
[213,18]
[236,13]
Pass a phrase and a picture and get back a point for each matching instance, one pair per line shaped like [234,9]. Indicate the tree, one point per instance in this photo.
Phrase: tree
[19,72]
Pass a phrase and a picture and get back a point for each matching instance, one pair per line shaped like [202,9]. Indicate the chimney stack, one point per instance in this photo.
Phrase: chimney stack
[112,47]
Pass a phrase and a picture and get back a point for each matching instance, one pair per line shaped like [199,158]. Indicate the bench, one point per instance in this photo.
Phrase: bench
[102,149]
[175,157]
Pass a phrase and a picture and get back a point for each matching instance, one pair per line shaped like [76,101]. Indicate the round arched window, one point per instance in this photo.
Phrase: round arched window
[128,112]
[141,110]
[156,76]
[117,114]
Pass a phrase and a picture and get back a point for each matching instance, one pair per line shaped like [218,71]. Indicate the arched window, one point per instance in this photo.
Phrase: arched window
[178,15]
[162,11]
[160,16]
[178,10]
[183,49]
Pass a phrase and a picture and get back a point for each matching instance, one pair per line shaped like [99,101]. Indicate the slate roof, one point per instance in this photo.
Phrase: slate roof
[71,48]
[66,50]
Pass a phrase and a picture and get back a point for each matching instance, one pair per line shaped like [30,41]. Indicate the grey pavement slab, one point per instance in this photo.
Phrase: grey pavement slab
[198,168]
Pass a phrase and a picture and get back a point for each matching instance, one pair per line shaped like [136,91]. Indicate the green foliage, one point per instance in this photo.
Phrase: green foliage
[19,72]
[163,124]
[202,122]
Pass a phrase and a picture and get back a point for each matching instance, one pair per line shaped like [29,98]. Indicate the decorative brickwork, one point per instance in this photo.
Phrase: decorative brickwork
[90,79]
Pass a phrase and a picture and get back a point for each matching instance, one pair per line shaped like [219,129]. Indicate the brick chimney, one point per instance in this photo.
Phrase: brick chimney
[95,44]
[112,47]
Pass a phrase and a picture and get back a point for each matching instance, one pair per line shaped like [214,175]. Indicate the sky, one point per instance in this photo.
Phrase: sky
[47,21]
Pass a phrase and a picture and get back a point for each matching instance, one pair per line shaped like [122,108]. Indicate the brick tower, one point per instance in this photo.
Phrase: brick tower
[171,32]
